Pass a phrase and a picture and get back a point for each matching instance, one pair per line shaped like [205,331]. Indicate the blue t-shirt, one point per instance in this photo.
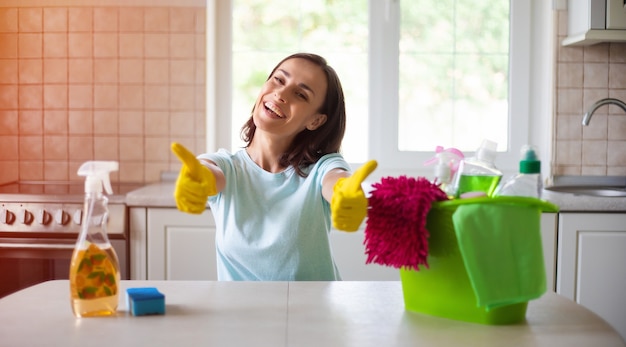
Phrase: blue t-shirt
[272,226]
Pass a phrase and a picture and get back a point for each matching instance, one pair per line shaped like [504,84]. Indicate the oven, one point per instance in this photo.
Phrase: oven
[39,225]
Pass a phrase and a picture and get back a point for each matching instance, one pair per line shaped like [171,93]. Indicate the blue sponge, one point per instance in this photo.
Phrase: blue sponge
[145,301]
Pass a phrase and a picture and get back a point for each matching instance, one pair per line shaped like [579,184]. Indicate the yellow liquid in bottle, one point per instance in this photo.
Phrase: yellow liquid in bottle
[94,280]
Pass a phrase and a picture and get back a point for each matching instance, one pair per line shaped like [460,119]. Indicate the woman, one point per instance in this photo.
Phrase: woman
[272,201]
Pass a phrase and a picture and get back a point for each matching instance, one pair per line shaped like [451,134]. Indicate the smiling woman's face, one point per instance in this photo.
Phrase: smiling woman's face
[291,98]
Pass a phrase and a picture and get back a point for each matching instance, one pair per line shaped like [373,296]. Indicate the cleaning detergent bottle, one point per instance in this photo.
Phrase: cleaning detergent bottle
[94,268]
[478,174]
[528,181]
[446,165]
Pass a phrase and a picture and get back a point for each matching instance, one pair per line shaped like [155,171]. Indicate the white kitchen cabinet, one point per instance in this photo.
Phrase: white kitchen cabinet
[171,245]
[591,263]
[594,21]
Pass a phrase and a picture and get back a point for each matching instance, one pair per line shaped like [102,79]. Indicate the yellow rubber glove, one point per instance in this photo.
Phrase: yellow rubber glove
[348,205]
[195,182]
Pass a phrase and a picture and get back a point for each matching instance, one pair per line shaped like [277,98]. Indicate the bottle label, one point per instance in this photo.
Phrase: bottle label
[94,273]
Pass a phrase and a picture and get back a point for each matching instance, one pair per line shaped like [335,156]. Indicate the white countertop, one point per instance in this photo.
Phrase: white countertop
[274,314]
[162,195]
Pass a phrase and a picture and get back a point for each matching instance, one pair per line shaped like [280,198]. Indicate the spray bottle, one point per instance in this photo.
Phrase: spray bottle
[94,268]
[446,165]
[528,181]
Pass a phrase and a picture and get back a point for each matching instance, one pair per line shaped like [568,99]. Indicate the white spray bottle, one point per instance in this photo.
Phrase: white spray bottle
[94,269]
[446,165]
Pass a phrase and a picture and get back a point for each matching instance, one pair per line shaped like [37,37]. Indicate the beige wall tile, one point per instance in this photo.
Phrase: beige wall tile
[106,148]
[105,122]
[55,19]
[568,152]
[8,97]
[156,97]
[8,122]
[105,45]
[182,71]
[131,149]
[9,71]
[55,45]
[568,127]
[8,45]
[182,19]
[81,96]
[30,19]
[570,74]
[617,53]
[55,70]
[598,53]
[132,171]
[616,153]
[182,98]
[596,75]
[182,45]
[80,122]
[105,70]
[131,71]
[55,170]
[157,149]
[8,19]
[156,19]
[55,122]
[80,19]
[30,122]
[105,19]
[156,71]
[131,45]
[180,124]
[617,129]
[30,71]
[30,96]
[31,147]
[617,76]
[55,96]
[9,147]
[81,148]
[569,101]
[594,153]
[131,19]
[156,123]
[156,45]
[80,44]
[131,123]
[81,70]
[30,45]
[55,147]
[31,170]
[131,97]
[105,96]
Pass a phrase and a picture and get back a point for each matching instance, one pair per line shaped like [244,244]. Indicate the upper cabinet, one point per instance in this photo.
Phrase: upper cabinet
[594,21]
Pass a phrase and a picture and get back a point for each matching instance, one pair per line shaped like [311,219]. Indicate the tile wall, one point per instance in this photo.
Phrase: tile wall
[583,76]
[100,82]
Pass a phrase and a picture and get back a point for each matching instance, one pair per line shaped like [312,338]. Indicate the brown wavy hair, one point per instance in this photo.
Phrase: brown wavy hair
[310,145]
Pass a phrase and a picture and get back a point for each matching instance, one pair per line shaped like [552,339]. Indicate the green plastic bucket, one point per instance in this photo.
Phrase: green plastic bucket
[444,289]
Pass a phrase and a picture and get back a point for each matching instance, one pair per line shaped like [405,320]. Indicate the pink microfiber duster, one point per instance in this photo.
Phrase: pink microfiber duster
[396,233]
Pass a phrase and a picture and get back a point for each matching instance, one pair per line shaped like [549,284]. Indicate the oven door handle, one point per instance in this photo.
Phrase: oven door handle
[36,246]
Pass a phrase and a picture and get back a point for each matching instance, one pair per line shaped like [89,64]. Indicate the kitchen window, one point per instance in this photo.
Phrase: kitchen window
[416,73]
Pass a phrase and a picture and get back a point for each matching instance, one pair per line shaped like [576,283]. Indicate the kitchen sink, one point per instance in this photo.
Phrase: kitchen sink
[601,186]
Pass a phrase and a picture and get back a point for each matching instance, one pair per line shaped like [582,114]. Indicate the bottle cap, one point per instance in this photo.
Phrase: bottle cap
[530,163]
[487,151]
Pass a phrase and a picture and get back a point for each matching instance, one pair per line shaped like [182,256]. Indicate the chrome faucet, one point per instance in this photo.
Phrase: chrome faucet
[597,104]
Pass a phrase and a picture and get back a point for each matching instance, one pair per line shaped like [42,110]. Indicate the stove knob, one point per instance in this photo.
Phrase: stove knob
[61,217]
[6,216]
[77,217]
[25,217]
[43,217]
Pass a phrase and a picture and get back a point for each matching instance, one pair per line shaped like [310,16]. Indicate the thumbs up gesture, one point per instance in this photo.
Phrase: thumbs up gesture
[195,182]
[348,204]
